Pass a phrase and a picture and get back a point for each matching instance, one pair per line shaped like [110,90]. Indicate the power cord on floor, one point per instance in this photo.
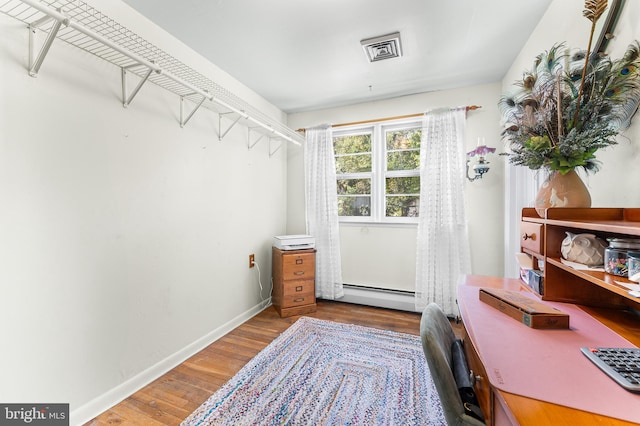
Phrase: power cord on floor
[263,302]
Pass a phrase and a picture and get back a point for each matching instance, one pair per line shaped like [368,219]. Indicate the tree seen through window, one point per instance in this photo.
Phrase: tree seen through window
[378,171]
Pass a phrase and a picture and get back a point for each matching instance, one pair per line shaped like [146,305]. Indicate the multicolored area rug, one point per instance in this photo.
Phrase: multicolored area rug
[321,372]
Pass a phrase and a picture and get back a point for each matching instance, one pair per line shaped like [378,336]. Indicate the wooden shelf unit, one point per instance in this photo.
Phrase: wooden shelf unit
[565,284]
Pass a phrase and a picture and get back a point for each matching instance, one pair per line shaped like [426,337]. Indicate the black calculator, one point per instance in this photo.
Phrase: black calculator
[621,364]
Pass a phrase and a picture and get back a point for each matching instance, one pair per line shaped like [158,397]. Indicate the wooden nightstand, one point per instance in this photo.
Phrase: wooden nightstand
[294,290]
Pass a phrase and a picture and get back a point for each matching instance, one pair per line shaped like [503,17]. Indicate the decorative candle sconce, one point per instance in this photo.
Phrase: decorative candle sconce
[482,165]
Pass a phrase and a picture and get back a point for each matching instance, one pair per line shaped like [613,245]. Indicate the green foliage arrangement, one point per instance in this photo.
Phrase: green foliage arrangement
[568,106]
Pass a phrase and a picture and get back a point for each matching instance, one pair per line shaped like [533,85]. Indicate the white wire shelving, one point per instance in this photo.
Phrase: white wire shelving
[84,27]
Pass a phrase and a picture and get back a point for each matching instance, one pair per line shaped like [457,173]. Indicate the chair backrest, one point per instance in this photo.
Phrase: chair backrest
[437,339]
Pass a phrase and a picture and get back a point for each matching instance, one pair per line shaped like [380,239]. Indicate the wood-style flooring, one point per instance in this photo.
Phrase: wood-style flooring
[172,397]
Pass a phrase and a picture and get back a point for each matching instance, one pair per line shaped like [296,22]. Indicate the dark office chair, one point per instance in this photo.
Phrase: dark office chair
[446,361]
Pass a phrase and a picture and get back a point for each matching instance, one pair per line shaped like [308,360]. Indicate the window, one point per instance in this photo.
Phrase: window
[354,160]
[378,172]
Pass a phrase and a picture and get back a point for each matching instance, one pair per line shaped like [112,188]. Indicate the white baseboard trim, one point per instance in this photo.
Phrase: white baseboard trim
[402,301]
[93,408]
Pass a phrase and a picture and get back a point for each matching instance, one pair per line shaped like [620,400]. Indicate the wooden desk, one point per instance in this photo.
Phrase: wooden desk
[509,408]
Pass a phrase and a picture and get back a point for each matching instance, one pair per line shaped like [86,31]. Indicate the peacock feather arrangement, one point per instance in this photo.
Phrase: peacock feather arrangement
[571,104]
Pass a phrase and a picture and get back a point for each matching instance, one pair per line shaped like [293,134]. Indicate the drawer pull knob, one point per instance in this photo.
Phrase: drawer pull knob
[526,237]
[298,261]
[475,379]
[299,288]
[301,299]
[298,273]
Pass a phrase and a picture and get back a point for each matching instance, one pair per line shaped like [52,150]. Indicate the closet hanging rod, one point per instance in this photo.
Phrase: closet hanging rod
[58,16]
[397,117]
[255,121]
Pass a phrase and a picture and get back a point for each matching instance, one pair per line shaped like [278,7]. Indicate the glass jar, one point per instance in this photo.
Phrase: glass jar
[634,266]
[616,256]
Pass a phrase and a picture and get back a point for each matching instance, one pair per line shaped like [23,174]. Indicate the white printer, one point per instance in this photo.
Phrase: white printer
[294,242]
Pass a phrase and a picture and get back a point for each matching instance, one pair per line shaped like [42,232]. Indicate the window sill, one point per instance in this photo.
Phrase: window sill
[379,224]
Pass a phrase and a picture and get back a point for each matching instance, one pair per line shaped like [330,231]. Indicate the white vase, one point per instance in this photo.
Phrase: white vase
[586,249]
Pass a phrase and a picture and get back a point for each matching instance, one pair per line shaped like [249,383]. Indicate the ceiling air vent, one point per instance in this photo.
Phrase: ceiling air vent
[383,47]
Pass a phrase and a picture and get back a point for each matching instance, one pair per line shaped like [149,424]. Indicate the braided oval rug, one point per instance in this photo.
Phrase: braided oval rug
[326,373]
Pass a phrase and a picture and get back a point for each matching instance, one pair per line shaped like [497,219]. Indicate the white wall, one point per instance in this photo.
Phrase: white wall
[123,237]
[384,256]
[615,185]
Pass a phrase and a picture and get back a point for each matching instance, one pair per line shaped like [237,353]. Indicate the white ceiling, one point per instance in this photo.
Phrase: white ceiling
[305,54]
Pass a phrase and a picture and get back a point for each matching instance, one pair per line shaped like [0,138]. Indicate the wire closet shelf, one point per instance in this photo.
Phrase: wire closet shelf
[84,27]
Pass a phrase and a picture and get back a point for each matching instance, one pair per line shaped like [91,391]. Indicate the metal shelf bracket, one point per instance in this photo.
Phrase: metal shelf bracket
[250,145]
[126,100]
[222,134]
[273,151]
[36,62]
[183,119]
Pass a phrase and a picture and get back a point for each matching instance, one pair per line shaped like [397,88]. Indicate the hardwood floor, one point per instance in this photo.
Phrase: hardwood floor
[172,397]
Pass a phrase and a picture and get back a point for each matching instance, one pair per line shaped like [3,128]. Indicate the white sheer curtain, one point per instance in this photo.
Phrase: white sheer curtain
[520,189]
[321,201]
[443,247]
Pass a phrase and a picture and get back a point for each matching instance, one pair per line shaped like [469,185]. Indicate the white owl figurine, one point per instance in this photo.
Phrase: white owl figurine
[586,249]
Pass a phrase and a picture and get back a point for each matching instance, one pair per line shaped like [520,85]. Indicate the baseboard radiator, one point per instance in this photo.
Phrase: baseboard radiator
[379,297]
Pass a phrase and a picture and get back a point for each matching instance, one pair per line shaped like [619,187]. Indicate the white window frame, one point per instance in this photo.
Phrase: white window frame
[379,171]
[354,131]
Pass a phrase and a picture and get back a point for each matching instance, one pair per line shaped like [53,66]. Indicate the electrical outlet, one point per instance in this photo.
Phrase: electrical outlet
[252,260]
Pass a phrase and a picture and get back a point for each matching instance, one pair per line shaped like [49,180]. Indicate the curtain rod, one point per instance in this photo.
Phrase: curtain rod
[397,117]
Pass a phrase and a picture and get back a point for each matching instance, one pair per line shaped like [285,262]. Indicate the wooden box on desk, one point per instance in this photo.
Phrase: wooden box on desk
[530,312]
